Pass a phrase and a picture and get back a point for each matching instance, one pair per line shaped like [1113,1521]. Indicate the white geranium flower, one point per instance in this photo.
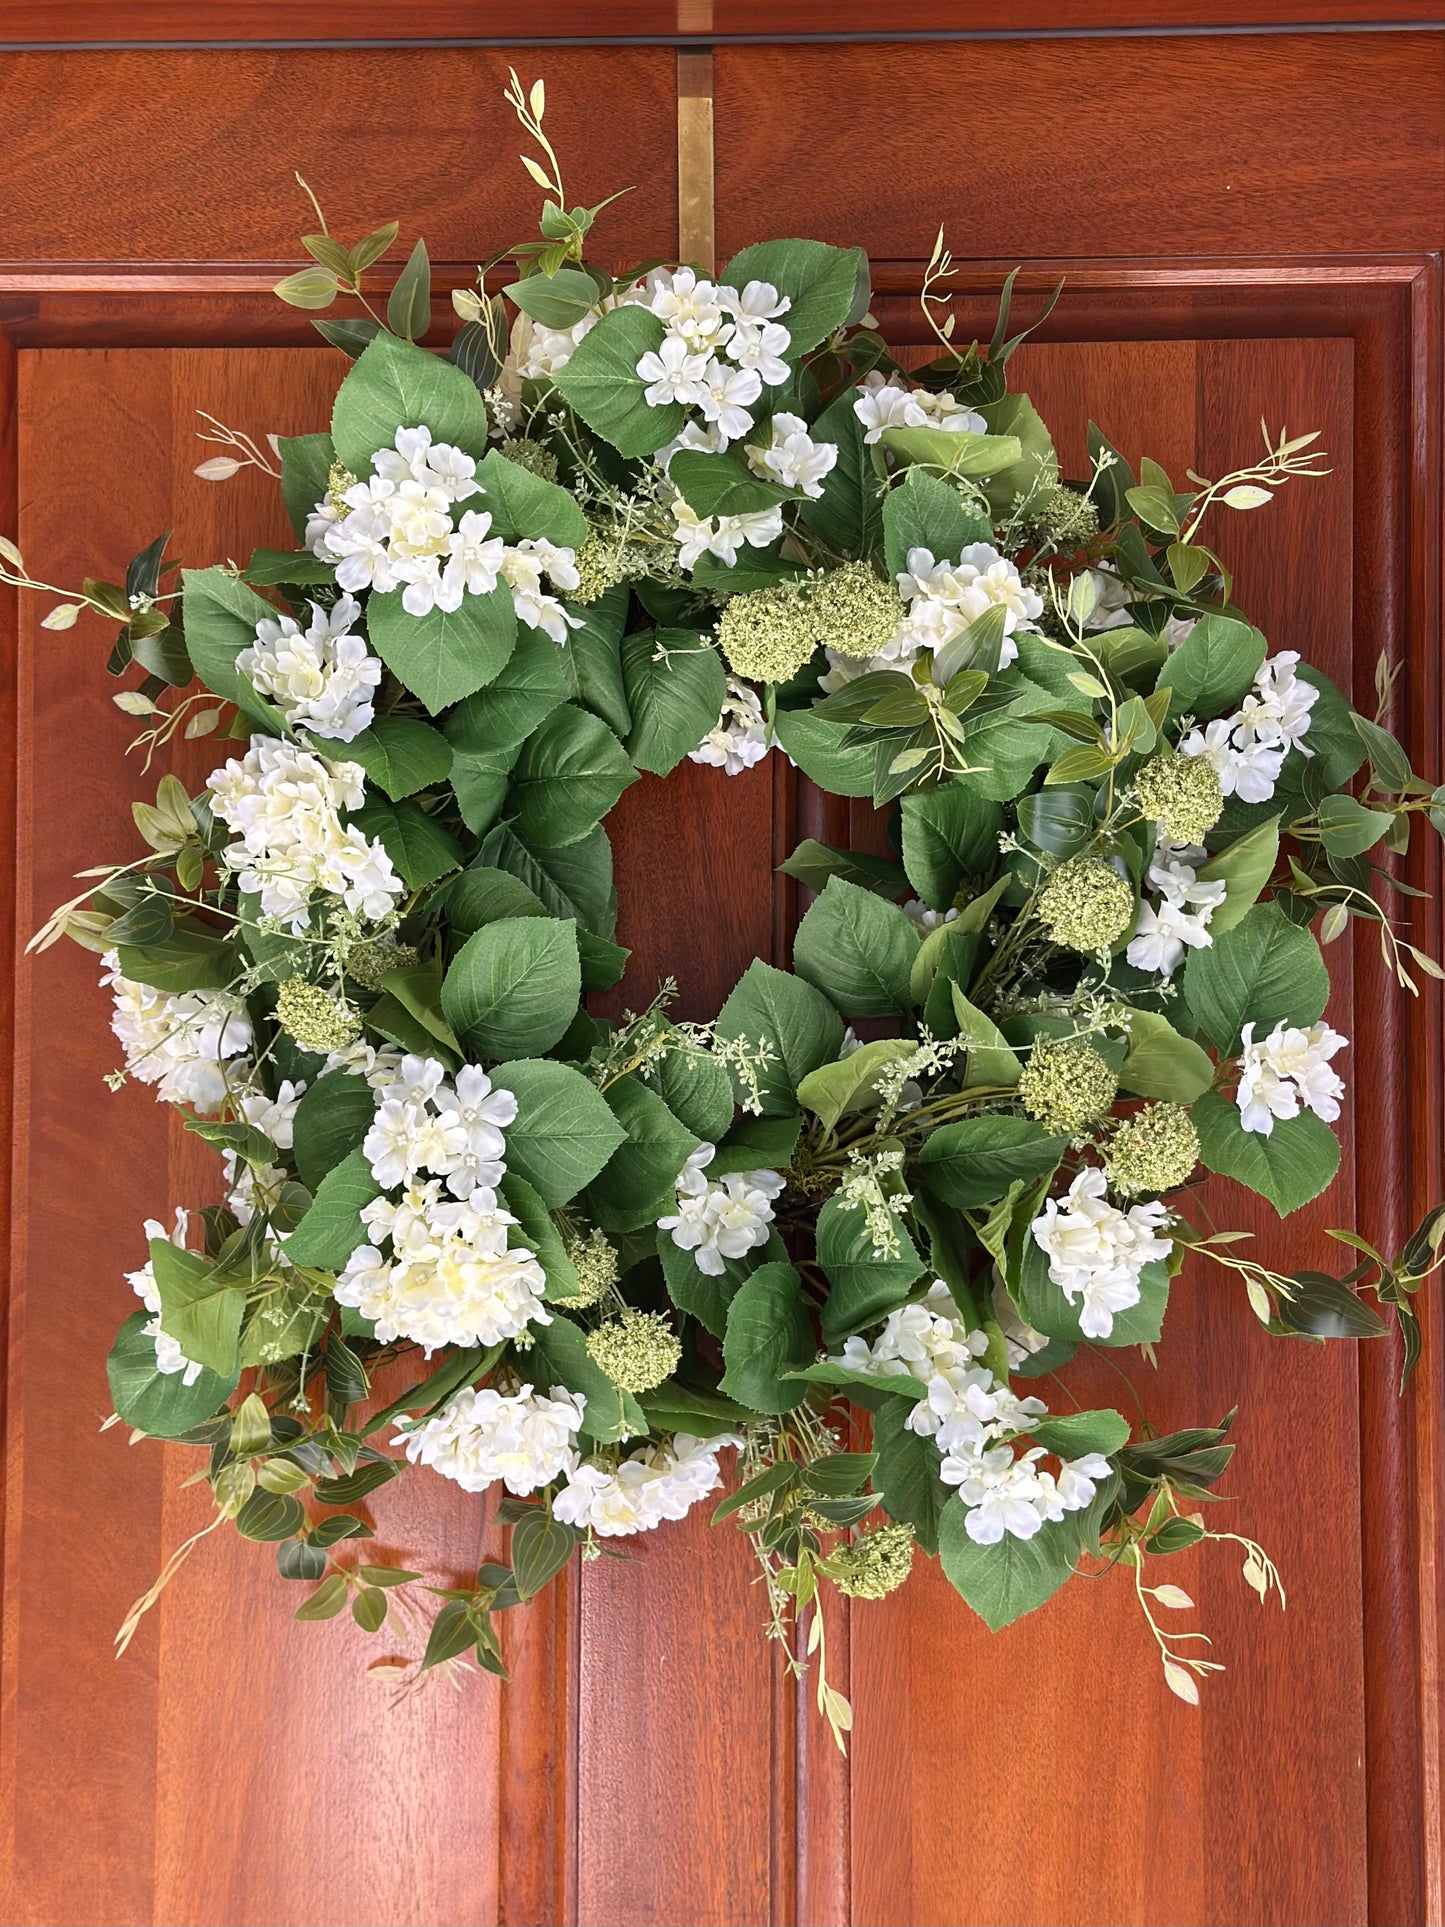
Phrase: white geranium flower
[740,738]
[1181,918]
[322,680]
[655,1483]
[1096,1252]
[888,402]
[694,312]
[525,1439]
[188,1043]
[435,467]
[424,1124]
[170,1359]
[1286,1070]
[792,458]
[1248,749]
[720,1218]
[523,568]
[722,535]
[727,397]
[673,373]
[474,561]
[945,597]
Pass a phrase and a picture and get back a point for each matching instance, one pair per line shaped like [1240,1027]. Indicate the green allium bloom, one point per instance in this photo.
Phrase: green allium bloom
[317,1020]
[601,564]
[1154,1150]
[339,479]
[367,963]
[637,1350]
[1086,904]
[532,456]
[768,634]
[595,1262]
[1062,516]
[1182,793]
[1066,1085]
[875,1564]
[854,612]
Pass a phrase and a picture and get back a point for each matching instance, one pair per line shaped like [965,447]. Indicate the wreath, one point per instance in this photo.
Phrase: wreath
[632,520]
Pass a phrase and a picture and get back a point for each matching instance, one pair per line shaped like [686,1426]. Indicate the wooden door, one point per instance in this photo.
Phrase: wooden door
[1234,245]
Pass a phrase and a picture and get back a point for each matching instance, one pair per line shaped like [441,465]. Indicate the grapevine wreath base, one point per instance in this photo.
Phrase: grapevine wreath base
[636,1264]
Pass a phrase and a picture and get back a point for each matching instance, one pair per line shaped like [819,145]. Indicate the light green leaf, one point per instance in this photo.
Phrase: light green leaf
[833,1090]
[1293,1164]
[924,513]
[1162,1064]
[1078,1433]
[514,986]
[858,949]
[1244,867]
[155,1402]
[220,616]
[203,1315]
[991,1060]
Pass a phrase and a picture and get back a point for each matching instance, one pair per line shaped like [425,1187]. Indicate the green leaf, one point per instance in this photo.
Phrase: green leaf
[1244,867]
[395,385]
[1016,415]
[522,694]
[334,1115]
[327,1600]
[1045,1307]
[190,958]
[960,452]
[1058,821]
[1293,1164]
[1389,762]
[573,881]
[418,989]
[220,616]
[541,1546]
[822,750]
[721,485]
[570,772]
[557,300]
[159,1403]
[949,835]
[445,654]
[332,1228]
[1212,668]
[812,863]
[305,475]
[924,513]
[602,384]
[200,1313]
[1324,1307]
[484,895]
[991,1059]
[269,1516]
[592,659]
[833,1090]
[907,1475]
[401,755]
[1265,968]
[540,1235]
[1161,1064]
[703,1295]
[479,783]
[564,1132]
[268,568]
[973,1162]
[674,701]
[858,949]
[683,1408]
[819,281]
[420,849]
[408,307]
[757,1144]
[697,1089]
[849,513]
[1347,828]
[768,1334]
[797,1023]
[1082,1432]
[862,1287]
[513,988]
[559,1356]
[639,1182]
[527,507]
[1007,1580]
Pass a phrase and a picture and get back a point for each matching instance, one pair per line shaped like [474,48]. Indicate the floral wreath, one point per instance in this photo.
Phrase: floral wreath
[625,522]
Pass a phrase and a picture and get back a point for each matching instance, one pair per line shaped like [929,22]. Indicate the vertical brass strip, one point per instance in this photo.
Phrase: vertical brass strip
[695,241]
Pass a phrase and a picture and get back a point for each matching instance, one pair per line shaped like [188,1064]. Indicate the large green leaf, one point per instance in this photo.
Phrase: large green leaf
[823,752]
[768,1333]
[334,1115]
[1016,415]
[924,513]
[1243,867]
[820,282]
[1161,1064]
[574,881]
[833,1090]
[156,1402]
[722,485]
[697,1089]
[200,1309]
[949,834]
[525,506]
[602,383]
[563,1133]
[1293,1164]
[592,659]
[702,1295]
[858,949]
[220,616]
[906,1476]
[513,988]
[525,691]
[570,772]
[676,688]
[559,1356]
[1265,968]
[541,1236]
[395,385]
[332,1228]
[1078,1433]
[973,1162]
[1004,1581]
[1212,668]
[798,1025]
[991,1060]
[401,755]
[421,850]
[305,476]
[862,1288]
[639,1183]
[446,654]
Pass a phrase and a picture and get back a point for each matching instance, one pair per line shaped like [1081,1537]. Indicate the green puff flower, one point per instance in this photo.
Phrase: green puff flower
[368,962]
[854,612]
[768,634]
[1062,516]
[532,456]
[873,1565]
[1066,1085]
[1154,1150]
[637,1350]
[1086,904]
[1182,793]
[595,1261]
[601,564]
[317,1020]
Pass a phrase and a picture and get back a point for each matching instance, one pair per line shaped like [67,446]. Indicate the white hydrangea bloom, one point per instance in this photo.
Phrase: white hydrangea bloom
[525,1439]
[1180,919]
[1286,1070]
[720,1218]
[653,1484]
[283,805]
[536,353]
[740,737]
[170,1359]
[322,679]
[888,402]
[188,1043]
[943,598]
[523,568]
[1248,748]
[254,1188]
[447,1130]
[377,1063]
[792,458]
[1015,1495]
[720,348]
[727,396]
[674,372]
[1112,597]
[927,919]
[1096,1252]
[722,535]
[919,1340]
[451,1278]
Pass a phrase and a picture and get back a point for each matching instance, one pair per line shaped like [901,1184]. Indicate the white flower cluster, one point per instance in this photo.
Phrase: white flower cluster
[791,457]
[188,1043]
[396,531]
[971,1416]
[888,402]
[322,679]
[740,737]
[1181,916]
[257,1187]
[720,1218]
[720,347]
[1096,1252]
[722,535]
[655,1483]
[1111,610]
[526,1439]
[451,1278]
[379,1064]
[941,600]
[1248,748]
[284,805]
[1287,1069]
[170,1359]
